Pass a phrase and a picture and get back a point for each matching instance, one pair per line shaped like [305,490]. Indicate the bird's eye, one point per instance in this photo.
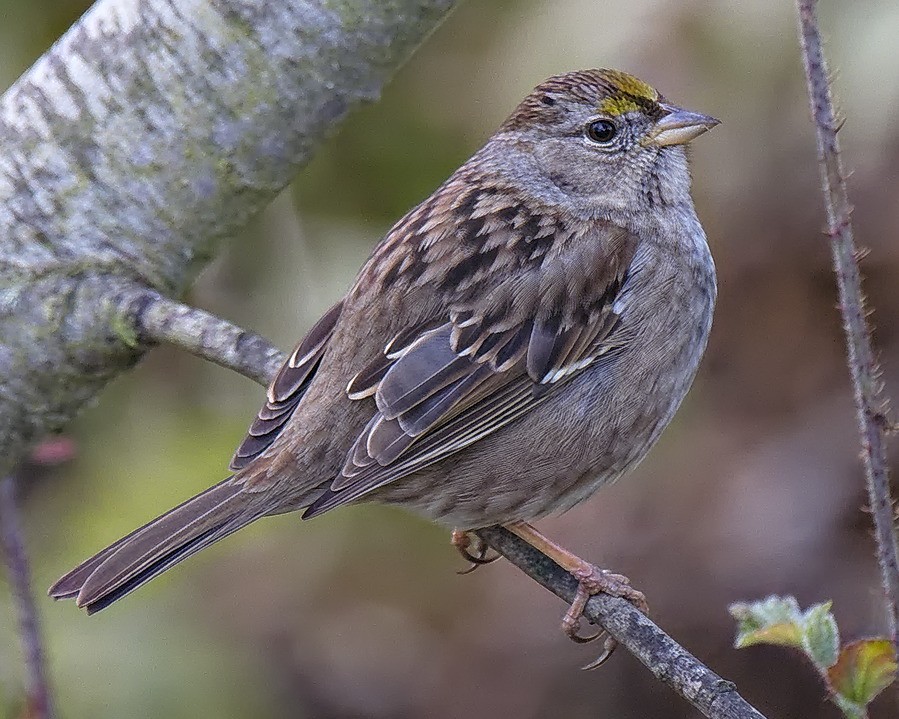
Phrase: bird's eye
[601,131]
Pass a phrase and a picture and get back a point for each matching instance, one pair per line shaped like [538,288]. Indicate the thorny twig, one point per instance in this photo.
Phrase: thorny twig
[869,401]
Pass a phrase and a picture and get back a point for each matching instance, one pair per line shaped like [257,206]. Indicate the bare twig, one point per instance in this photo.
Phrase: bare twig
[665,658]
[163,320]
[37,687]
[869,402]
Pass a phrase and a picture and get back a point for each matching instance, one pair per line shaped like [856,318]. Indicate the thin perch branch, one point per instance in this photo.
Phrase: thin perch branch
[37,689]
[715,697]
[870,404]
[163,320]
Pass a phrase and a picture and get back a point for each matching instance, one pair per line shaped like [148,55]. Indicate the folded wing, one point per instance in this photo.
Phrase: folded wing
[505,346]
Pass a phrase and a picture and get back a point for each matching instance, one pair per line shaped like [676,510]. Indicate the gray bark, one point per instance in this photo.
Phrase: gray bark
[139,142]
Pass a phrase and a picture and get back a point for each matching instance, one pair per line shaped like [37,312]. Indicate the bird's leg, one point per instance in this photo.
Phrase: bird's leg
[591,580]
[461,540]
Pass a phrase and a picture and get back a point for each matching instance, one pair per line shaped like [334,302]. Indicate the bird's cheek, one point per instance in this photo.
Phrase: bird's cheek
[574,171]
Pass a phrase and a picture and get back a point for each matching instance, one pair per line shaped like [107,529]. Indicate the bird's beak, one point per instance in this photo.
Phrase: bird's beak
[678,127]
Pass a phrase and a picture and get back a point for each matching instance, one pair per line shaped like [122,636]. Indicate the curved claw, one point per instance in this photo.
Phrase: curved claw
[476,561]
[468,570]
[479,558]
[578,639]
[571,622]
[462,541]
[609,647]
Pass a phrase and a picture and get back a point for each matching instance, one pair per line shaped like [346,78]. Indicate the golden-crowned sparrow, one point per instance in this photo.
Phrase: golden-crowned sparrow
[515,342]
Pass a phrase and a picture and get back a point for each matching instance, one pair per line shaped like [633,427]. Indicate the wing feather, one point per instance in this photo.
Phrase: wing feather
[287,389]
[426,367]
[501,351]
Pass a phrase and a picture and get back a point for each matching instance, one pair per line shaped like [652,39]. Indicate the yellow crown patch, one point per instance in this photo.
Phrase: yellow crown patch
[631,94]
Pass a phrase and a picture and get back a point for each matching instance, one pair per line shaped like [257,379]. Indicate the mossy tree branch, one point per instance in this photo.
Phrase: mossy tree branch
[136,145]
[131,150]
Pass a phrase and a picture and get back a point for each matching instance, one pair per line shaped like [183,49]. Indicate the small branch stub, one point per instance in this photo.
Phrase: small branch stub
[159,319]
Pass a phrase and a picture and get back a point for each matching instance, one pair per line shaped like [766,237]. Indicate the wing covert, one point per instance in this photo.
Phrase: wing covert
[508,340]
[287,389]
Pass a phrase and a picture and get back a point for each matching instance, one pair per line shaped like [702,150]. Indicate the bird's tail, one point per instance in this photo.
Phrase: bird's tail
[147,552]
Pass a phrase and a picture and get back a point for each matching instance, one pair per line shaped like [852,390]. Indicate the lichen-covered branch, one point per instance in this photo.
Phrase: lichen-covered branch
[37,691]
[138,143]
[666,659]
[869,401]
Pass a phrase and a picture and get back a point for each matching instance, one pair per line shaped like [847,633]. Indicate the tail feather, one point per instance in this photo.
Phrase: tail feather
[67,587]
[105,595]
[147,552]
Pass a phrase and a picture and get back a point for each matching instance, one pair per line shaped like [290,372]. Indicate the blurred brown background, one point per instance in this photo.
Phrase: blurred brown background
[756,488]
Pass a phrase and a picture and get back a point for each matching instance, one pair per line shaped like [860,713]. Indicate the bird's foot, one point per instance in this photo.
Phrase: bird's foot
[591,581]
[463,543]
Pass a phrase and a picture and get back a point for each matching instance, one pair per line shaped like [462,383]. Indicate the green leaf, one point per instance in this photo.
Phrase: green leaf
[863,670]
[820,635]
[773,620]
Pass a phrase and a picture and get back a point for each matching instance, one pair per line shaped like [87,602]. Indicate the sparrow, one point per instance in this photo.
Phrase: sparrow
[515,342]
